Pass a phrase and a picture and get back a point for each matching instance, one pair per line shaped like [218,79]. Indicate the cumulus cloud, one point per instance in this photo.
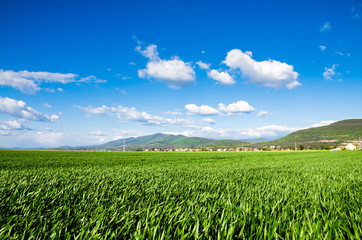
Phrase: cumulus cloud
[203,110]
[223,78]
[13,125]
[235,108]
[269,73]
[238,107]
[326,27]
[28,82]
[20,110]
[263,114]
[175,73]
[329,73]
[322,48]
[203,65]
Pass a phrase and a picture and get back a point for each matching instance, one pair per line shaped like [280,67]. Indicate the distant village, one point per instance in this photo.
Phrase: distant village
[351,146]
[346,146]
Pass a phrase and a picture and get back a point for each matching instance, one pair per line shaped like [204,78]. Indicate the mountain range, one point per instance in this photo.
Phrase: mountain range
[330,135]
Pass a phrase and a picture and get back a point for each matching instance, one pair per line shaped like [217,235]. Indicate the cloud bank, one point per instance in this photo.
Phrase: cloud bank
[29,82]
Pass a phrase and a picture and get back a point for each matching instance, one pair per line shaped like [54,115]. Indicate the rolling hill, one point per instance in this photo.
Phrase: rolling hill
[330,135]
[162,141]
[334,134]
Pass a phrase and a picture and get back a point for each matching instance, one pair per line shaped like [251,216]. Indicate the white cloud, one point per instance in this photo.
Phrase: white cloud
[207,121]
[203,65]
[203,110]
[269,73]
[132,114]
[322,48]
[47,105]
[60,89]
[94,110]
[19,109]
[238,107]
[53,118]
[13,125]
[329,73]
[174,73]
[28,82]
[263,114]
[223,78]
[326,27]
[339,53]
[150,52]
[235,108]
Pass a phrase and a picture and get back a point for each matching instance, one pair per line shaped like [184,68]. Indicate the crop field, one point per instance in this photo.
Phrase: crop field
[211,195]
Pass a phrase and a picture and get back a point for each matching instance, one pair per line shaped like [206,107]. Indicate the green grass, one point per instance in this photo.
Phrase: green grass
[229,195]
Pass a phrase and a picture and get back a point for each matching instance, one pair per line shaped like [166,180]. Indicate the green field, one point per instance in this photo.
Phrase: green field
[212,195]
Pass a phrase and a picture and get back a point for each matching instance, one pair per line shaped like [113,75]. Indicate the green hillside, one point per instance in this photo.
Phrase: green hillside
[162,141]
[330,135]
[155,140]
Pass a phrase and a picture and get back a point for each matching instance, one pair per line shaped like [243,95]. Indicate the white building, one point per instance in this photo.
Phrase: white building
[350,147]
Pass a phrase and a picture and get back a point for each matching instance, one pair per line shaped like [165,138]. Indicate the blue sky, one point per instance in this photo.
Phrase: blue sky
[87,72]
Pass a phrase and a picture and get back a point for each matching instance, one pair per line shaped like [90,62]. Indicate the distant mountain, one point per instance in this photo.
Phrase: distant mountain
[163,141]
[333,134]
[330,135]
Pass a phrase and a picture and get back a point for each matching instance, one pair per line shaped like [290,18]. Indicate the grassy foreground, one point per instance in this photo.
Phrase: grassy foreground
[231,195]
